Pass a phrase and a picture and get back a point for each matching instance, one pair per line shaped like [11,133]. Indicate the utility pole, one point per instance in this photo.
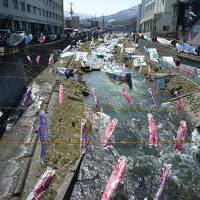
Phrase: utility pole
[71,10]
[103,22]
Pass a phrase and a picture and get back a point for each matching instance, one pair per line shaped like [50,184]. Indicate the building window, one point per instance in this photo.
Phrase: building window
[165,28]
[43,11]
[15,4]
[40,12]
[163,2]
[28,8]
[5,3]
[47,14]
[22,6]
[34,10]
[50,14]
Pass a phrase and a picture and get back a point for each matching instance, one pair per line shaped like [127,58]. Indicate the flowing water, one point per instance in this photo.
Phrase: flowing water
[143,170]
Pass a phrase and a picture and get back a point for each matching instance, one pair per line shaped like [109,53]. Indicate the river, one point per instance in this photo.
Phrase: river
[143,170]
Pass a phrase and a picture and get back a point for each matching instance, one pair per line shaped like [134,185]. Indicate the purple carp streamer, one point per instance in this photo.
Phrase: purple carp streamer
[164,175]
[43,134]
[116,177]
[96,99]
[27,98]
[152,98]
[42,185]
[83,137]
[153,135]
[61,95]
[180,136]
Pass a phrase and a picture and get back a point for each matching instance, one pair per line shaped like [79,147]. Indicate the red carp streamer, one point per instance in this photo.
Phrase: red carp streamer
[179,102]
[164,175]
[83,137]
[108,132]
[61,95]
[180,136]
[153,135]
[37,60]
[29,59]
[127,97]
[116,177]
[95,98]
[42,185]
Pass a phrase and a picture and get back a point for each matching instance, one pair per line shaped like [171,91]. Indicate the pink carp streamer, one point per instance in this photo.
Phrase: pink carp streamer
[179,102]
[152,98]
[127,97]
[108,132]
[37,60]
[83,137]
[116,177]
[164,175]
[42,185]
[153,134]
[41,39]
[180,136]
[61,95]
[95,98]
[29,59]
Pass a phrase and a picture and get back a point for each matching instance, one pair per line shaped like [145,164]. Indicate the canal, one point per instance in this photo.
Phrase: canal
[143,170]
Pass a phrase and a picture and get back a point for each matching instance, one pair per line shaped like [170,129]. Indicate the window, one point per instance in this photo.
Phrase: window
[28,8]
[34,10]
[165,28]
[163,2]
[5,3]
[40,12]
[47,14]
[43,11]
[50,14]
[15,4]
[22,6]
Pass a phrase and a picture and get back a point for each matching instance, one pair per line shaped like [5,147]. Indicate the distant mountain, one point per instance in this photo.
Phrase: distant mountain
[122,15]
[81,15]
[119,16]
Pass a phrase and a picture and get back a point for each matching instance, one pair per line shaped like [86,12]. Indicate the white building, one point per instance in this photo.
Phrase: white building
[157,17]
[34,15]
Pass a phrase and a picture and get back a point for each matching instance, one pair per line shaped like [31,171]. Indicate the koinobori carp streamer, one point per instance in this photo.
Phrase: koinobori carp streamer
[95,98]
[108,132]
[179,102]
[42,185]
[83,137]
[37,60]
[43,134]
[153,135]
[180,136]
[29,59]
[164,175]
[61,95]
[27,98]
[126,95]
[152,98]
[116,177]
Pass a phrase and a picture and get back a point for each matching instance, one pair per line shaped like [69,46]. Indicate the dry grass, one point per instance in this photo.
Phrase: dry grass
[85,47]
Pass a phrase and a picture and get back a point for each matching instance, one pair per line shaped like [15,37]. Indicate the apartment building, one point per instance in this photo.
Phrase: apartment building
[157,17]
[34,15]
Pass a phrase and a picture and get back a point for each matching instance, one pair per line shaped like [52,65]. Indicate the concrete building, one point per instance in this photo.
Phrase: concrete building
[34,15]
[156,17]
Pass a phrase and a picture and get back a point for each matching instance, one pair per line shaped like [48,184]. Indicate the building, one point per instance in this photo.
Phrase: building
[34,15]
[72,22]
[188,21]
[156,17]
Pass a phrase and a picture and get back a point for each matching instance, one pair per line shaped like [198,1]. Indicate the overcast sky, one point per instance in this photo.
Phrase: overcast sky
[100,7]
